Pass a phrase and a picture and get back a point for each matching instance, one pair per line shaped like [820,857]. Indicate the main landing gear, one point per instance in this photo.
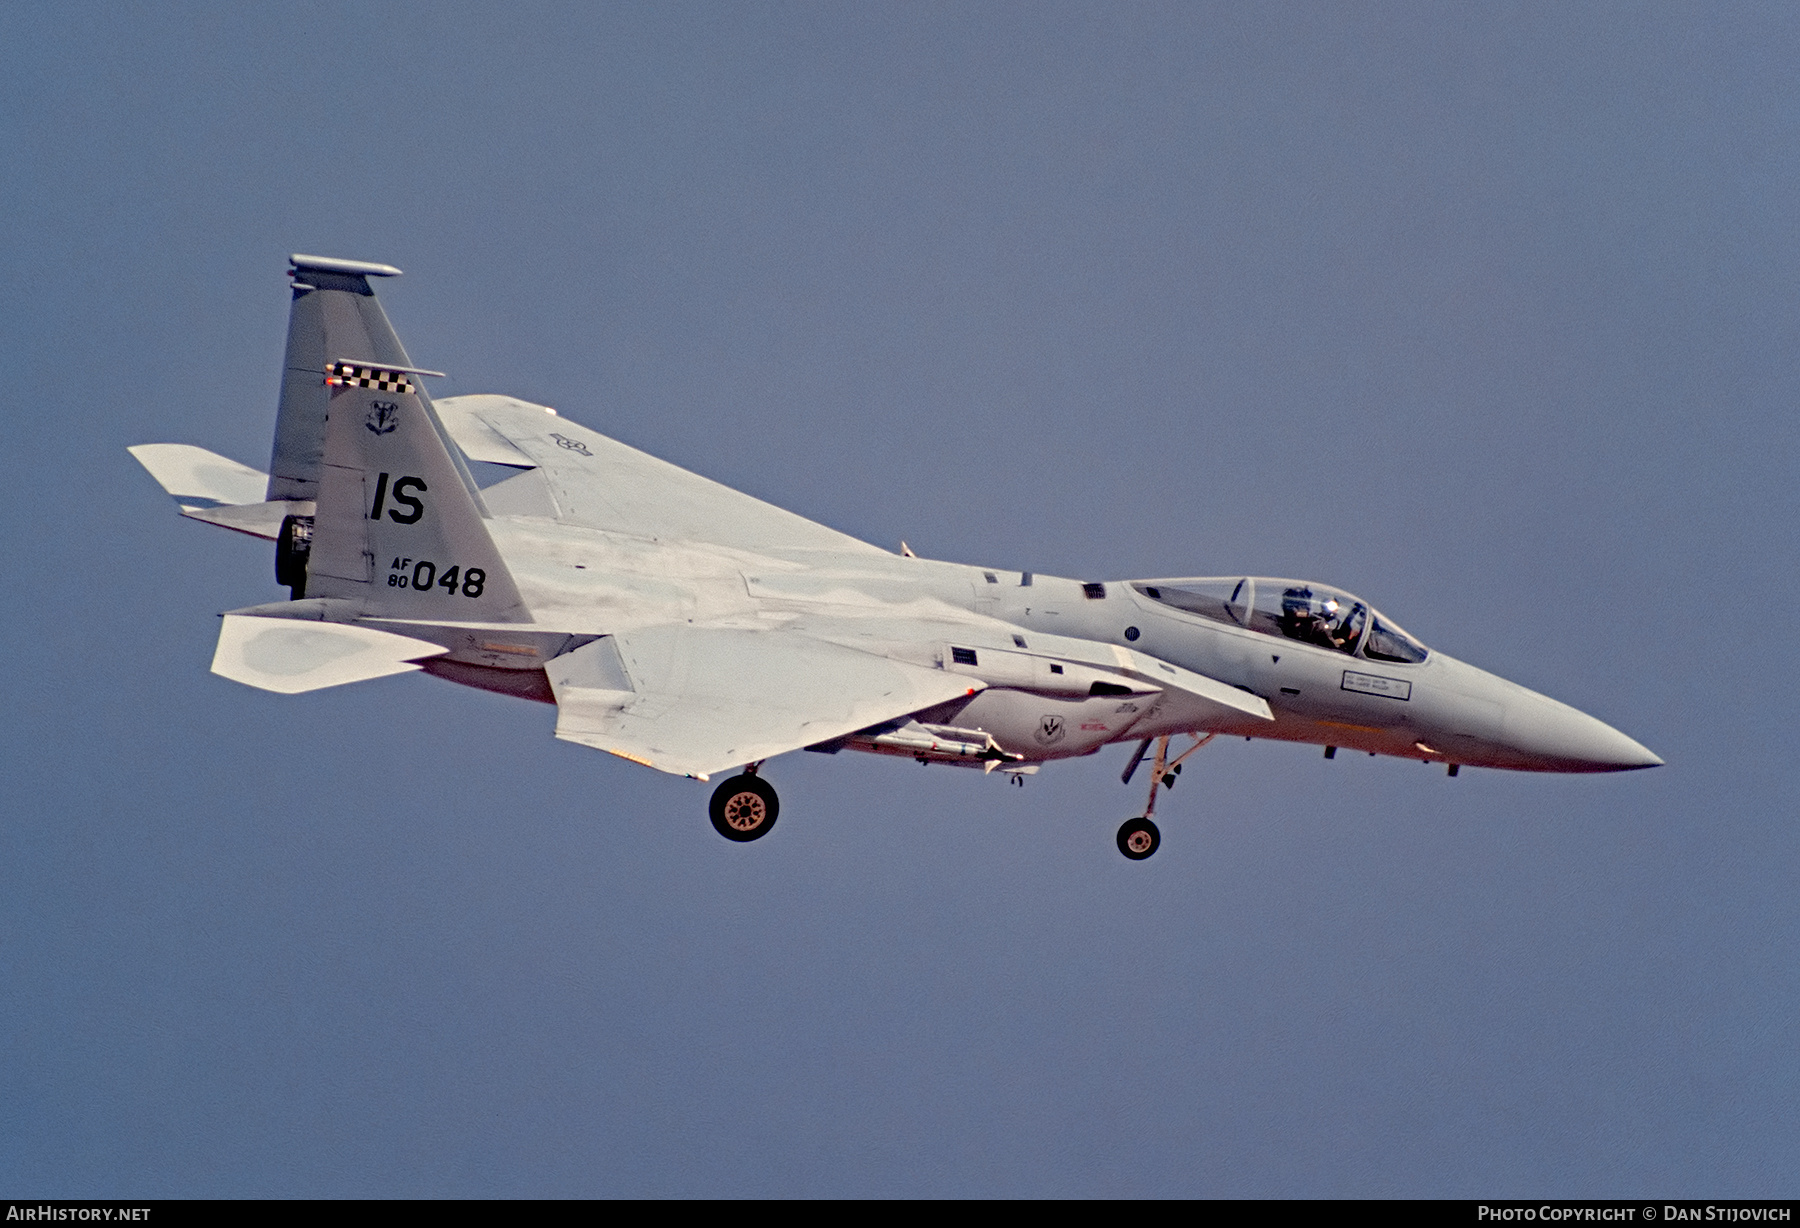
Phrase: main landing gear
[1139,837]
[744,807]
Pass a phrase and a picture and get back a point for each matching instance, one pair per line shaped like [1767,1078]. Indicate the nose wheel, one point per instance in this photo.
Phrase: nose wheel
[1138,838]
[744,808]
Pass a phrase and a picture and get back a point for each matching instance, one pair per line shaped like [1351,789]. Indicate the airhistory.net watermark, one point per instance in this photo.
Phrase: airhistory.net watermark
[51,1213]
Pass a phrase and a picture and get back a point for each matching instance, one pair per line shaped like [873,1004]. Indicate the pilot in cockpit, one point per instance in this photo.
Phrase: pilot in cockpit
[1349,628]
[1323,621]
[1297,614]
[1330,624]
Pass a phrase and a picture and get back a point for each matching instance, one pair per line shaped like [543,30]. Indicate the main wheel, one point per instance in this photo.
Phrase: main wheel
[744,808]
[1138,838]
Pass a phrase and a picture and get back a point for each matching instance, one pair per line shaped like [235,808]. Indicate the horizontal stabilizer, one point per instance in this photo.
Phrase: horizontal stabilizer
[290,656]
[198,478]
[219,491]
[694,701]
[257,519]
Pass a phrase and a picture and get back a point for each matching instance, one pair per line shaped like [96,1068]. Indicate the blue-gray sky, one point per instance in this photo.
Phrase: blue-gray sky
[1486,313]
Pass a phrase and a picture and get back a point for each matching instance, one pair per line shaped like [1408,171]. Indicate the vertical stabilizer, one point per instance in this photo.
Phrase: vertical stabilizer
[333,306]
[329,296]
[399,527]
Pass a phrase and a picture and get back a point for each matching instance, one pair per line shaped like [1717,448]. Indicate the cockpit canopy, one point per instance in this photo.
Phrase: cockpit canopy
[1293,609]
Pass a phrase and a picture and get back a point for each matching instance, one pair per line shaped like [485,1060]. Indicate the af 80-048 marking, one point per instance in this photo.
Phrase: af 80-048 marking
[424,577]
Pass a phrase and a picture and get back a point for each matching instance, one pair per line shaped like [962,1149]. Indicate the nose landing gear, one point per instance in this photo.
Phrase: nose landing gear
[1139,837]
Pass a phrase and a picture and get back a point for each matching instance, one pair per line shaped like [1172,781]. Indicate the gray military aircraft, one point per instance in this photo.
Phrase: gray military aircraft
[692,629]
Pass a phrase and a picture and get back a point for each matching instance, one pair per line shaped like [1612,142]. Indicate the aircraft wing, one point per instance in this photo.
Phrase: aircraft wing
[600,483]
[693,700]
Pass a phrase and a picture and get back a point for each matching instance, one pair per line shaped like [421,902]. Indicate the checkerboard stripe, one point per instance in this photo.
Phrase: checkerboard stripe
[349,375]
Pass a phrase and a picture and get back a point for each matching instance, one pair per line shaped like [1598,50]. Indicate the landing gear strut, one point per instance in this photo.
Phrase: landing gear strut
[1139,837]
[744,808]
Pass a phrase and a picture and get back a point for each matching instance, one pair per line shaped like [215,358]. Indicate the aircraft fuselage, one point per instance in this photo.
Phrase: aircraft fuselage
[1437,709]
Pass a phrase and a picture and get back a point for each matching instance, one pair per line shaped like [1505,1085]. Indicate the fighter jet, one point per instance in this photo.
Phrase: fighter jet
[684,626]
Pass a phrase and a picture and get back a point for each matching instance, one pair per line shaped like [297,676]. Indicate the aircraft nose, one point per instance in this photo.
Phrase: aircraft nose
[1568,740]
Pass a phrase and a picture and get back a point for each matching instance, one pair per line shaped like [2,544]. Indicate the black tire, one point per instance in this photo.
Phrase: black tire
[744,808]
[1138,838]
